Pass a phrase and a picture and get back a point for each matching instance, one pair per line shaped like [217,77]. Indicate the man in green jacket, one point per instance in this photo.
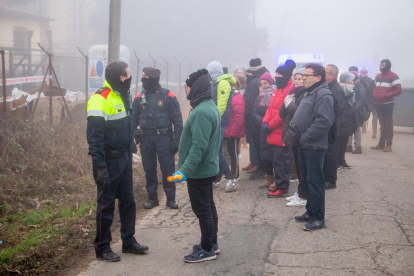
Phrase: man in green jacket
[199,162]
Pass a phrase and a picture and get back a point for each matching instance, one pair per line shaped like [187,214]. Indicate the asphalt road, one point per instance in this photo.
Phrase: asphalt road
[369,218]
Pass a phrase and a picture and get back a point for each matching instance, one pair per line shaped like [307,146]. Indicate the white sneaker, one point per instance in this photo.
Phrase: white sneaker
[296,202]
[216,185]
[240,156]
[295,195]
[231,185]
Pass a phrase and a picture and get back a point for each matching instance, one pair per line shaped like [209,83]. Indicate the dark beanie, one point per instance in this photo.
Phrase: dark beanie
[194,76]
[290,63]
[285,70]
[353,68]
[152,72]
[255,62]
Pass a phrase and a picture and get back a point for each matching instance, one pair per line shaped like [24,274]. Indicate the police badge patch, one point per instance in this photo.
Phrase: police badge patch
[160,103]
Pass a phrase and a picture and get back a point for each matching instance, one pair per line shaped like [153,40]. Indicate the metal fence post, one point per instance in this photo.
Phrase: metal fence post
[166,61]
[86,75]
[179,74]
[191,67]
[155,62]
[136,80]
[3,77]
[50,90]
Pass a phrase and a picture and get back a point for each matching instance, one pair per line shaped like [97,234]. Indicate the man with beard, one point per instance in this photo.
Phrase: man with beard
[199,162]
[313,118]
[110,135]
[387,86]
[156,111]
[250,94]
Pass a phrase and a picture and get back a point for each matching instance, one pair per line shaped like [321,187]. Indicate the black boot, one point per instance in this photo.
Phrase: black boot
[108,257]
[151,204]
[172,204]
[357,150]
[134,248]
[330,185]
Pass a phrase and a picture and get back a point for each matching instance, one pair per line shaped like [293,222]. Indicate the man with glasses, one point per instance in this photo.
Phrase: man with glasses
[387,86]
[313,118]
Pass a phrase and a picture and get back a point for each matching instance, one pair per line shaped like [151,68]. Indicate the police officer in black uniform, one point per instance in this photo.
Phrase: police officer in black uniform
[156,111]
[110,134]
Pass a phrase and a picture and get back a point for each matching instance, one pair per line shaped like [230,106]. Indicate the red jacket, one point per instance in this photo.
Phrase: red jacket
[272,115]
[236,124]
[387,86]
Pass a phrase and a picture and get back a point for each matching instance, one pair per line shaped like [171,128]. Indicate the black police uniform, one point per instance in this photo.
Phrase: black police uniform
[110,133]
[154,114]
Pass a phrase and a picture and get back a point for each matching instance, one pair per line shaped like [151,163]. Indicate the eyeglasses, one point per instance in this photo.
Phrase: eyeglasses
[306,75]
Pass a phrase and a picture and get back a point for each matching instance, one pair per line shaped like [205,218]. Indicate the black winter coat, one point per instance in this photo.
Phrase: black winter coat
[347,120]
[360,101]
[258,114]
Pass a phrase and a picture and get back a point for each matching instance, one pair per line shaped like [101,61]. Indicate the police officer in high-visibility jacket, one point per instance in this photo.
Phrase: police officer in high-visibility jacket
[110,134]
[156,111]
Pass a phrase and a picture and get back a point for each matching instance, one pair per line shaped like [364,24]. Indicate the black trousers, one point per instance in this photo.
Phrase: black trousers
[341,144]
[233,150]
[384,112]
[200,192]
[330,164]
[295,153]
[281,164]
[311,163]
[121,187]
[152,146]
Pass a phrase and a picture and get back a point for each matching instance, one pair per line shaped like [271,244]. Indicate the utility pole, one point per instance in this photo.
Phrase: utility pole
[254,29]
[114,38]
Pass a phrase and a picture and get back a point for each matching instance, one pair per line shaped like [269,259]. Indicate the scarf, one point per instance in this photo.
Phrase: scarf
[266,94]
[255,68]
[349,92]
[120,86]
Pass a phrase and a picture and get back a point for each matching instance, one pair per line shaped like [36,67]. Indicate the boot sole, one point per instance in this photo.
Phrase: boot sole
[127,251]
[202,260]
[320,227]
[110,261]
[330,188]
[272,196]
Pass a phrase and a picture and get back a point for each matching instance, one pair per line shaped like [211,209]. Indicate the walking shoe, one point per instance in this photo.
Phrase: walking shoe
[272,189]
[387,149]
[108,257]
[290,198]
[216,185]
[378,147]
[257,174]
[303,218]
[374,135]
[231,185]
[200,256]
[293,178]
[314,224]
[252,169]
[269,181]
[297,201]
[135,248]
[278,193]
[349,148]
[172,204]
[248,167]
[345,166]
[151,204]
[357,150]
[216,249]
[330,185]
[273,185]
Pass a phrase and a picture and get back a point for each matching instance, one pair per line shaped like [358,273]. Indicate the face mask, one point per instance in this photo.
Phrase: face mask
[281,82]
[249,79]
[151,85]
[121,86]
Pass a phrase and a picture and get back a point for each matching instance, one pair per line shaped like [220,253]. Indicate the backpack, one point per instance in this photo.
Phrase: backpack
[365,112]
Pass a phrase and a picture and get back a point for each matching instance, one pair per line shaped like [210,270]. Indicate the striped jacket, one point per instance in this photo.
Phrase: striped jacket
[387,86]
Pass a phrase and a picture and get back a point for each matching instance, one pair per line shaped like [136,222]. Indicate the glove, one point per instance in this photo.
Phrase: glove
[288,100]
[180,173]
[137,138]
[102,178]
[174,146]
[265,128]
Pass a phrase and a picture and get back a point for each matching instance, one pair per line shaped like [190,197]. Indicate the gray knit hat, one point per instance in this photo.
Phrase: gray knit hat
[300,71]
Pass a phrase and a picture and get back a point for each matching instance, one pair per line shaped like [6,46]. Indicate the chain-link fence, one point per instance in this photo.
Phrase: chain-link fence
[31,96]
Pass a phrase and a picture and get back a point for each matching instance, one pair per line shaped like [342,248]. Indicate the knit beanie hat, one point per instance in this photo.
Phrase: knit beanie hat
[353,68]
[152,72]
[285,70]
[267,77]
[255,62]
[290,63]
[300,71]
[194,76]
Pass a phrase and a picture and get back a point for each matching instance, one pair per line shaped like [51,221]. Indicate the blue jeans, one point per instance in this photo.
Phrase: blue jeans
[254,154]
[224,166]
[313,180]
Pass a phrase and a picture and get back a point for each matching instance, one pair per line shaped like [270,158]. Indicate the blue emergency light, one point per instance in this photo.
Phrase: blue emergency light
[317,56]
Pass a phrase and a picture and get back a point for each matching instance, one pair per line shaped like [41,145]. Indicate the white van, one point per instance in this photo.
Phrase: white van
[302,59]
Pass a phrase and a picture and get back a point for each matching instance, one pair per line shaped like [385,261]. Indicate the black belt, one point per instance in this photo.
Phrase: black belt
[162,131]
[112,154]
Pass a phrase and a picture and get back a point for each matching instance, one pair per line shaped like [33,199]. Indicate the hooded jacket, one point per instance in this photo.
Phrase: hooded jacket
[236,124]
[201,137]
[272,115]
[387,87]
[222,96]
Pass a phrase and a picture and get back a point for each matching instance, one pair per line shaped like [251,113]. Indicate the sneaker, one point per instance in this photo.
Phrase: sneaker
[216,185]
[274,189]
[330,185]
[278,193]
[216,249]
[240,156]
[200,256]
[290,198]
[346,166]
[357,150]
[378,147]
[231,185]
[303,218]
[297,201]
[314,224]
[293,178]
[248,167]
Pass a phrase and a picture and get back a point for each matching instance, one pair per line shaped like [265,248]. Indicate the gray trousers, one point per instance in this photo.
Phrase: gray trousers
[357,137]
